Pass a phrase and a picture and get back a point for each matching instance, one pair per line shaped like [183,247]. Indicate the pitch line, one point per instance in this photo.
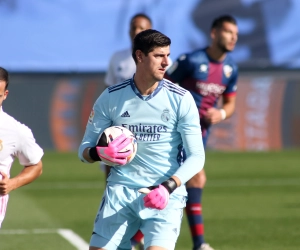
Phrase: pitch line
[73,238]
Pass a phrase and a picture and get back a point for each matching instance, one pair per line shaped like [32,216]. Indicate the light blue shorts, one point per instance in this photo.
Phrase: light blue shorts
[122,213]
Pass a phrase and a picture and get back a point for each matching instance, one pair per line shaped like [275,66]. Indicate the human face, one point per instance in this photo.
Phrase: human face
[156,62]
[3,92]
[137,25]
[225,37]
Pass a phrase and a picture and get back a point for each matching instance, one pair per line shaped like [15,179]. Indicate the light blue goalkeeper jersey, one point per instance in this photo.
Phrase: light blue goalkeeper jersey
[162,122]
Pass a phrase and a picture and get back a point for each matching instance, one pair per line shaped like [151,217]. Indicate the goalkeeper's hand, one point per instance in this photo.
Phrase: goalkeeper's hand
[111,152]
[158,196]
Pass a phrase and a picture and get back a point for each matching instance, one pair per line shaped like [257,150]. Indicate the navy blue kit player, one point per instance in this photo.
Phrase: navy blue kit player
[164,119]
[209,74]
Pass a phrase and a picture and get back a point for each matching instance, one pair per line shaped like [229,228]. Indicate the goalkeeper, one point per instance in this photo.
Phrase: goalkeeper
[148,193]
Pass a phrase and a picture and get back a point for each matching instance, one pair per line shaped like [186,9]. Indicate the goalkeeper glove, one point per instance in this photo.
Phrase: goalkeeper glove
[111,152]
[158,196]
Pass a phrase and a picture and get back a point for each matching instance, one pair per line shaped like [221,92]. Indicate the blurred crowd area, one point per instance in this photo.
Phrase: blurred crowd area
[58,52]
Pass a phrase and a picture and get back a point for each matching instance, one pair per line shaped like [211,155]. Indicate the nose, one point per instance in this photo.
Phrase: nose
[165,61]
[235,37]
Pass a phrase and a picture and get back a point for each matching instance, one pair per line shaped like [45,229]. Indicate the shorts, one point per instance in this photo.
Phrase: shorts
[122,213]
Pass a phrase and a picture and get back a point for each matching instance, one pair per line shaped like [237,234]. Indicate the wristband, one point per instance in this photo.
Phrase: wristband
[223,114]
[170,185]
[93,154]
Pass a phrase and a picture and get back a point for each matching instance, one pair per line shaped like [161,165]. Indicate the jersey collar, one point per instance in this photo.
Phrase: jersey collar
[146,98]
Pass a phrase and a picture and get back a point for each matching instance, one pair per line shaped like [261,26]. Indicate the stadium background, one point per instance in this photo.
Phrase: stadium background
[57,53]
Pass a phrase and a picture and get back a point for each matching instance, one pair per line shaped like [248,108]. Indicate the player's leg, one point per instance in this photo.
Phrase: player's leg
[137,241]
[161,228]
[115,212]
[193,209]
[3,205]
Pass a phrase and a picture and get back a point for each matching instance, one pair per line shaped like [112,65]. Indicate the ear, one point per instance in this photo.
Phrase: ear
[213,34]
[139,55]
[5,94]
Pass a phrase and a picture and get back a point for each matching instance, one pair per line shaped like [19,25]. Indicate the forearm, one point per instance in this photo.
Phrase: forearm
[229,109]
[192,165]
[229,105]
[86,155]
[177,180]
[195,158]
[27,175]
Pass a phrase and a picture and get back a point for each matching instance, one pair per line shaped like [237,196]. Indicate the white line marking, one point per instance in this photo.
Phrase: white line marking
[28,231]
[67,234]
[74,239]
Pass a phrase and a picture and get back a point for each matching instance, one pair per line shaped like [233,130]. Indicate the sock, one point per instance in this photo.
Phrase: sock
[194,214]
[137,238]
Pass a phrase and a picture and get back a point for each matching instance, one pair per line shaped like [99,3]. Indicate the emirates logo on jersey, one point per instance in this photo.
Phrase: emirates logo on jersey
[1,145]
[206,89]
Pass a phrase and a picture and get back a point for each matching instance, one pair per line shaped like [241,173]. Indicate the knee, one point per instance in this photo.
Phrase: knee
[197,181]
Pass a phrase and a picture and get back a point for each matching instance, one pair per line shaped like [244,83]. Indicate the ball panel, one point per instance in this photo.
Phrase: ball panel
[102,142]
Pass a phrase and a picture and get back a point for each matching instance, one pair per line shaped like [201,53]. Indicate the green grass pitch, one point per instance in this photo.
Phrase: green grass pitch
[251,201]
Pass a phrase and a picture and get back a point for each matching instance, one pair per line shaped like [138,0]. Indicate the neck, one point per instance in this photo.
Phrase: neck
[144,85]
[215,53]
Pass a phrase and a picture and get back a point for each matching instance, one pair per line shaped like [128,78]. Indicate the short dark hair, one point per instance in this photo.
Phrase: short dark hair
[4,77]
[218,22]
[141,15]
[148,40]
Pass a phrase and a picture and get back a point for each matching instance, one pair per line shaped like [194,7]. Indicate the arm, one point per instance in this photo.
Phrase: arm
[98,121]
[215,115]
[189,128]
[27,175]
[29,154]
[90,150]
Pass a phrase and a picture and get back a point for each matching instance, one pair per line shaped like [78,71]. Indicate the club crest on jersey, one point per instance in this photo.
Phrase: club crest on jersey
[165,116]
[1,145]
[227,70]
[203,68]
[91,117]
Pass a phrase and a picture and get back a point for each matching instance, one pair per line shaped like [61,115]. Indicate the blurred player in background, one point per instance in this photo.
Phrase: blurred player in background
[16,141]
[122,65]
[121,68]
[208,74]
[164,118]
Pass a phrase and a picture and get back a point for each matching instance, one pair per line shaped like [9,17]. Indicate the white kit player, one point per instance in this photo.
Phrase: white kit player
[16,141]
[164,119]
[121,64]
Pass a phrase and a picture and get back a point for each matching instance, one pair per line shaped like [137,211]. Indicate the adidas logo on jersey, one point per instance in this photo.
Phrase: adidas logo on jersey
[125,114]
